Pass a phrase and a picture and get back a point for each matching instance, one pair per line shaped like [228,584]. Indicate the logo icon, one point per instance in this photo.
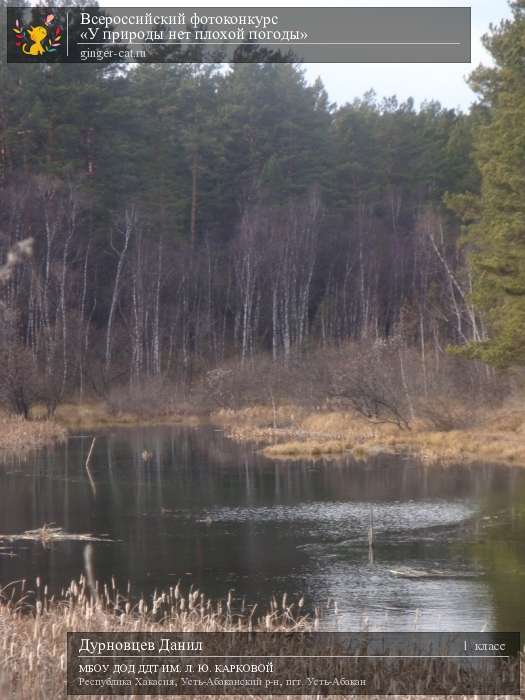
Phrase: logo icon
[39,40]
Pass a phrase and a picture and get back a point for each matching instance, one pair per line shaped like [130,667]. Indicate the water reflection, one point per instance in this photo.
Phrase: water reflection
[500,549]
[207,511]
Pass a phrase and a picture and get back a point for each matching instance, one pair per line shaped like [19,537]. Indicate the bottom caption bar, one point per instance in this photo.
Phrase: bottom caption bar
[313,663]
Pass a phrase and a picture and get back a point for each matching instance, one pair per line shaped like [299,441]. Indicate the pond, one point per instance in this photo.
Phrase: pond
[448,540]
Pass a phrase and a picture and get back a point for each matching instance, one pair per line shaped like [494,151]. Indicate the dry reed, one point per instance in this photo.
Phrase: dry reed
[100,415]
[498,438]
[19,436]
[33,626]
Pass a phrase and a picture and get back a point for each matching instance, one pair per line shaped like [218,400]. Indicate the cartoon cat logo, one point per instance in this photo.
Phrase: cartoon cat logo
[37,41]
[37,35]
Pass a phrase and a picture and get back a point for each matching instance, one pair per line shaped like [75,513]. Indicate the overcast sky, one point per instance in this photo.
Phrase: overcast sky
[444,82]
[423,81]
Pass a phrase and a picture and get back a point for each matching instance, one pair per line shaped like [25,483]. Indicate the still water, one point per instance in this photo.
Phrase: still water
[217,515]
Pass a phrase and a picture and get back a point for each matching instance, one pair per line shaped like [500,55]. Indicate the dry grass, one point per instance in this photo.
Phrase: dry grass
[495,438]
[308,448]
[458,446]
[33,627]
[100,415]
[19,436]
[261,416]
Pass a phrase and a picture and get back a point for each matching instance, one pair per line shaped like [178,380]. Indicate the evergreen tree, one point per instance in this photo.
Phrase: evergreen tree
[496,219]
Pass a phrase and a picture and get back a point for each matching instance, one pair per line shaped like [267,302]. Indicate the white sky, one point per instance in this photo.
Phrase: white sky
[444,81]
[423,81]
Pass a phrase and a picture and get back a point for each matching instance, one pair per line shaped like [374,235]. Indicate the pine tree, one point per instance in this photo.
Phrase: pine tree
[496,231]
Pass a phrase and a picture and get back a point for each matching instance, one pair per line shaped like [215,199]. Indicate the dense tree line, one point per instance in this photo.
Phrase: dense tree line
[183,214]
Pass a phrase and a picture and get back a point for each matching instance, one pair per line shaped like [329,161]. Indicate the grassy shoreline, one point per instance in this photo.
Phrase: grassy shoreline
[290,432]
[295,432]
[92,415]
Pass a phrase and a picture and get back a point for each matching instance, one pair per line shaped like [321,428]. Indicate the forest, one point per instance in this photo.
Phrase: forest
[229,235]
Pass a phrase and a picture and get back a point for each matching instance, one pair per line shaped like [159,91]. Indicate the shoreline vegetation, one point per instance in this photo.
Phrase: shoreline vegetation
[291,431]
[294,433]
[93,415]
[34,625]
[19,436]
[357,400]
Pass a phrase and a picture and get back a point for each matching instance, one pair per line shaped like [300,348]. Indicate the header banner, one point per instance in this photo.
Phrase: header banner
[238,35]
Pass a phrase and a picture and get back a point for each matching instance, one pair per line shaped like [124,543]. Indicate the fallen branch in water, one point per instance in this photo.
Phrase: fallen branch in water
[46,534]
